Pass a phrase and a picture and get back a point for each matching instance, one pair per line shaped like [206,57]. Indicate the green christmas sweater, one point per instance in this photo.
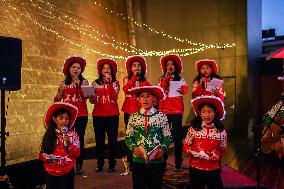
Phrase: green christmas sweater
[158,132]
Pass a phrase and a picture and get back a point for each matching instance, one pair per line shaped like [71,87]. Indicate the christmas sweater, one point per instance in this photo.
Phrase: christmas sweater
[61,162]
[275,114]
[198,91]
[209,140]
[105,99]
[158,132]
[172,105]
[131,103]
[73,95]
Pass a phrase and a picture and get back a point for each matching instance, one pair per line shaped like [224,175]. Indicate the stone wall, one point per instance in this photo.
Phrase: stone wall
[49,36]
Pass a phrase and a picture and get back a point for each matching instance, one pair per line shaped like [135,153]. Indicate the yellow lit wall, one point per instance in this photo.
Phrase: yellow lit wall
[47,40]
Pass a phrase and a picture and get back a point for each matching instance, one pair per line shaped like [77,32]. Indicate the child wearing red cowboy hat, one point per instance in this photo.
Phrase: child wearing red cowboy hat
[136,68]
[148,136]
[172,105]
[105,112]
[207,82]
[60,146]
[206,142]
[70,91]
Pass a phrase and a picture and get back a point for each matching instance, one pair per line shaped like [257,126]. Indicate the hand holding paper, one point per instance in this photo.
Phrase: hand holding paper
[88,91]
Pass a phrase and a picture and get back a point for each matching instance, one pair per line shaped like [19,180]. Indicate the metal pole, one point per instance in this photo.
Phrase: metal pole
[3,133]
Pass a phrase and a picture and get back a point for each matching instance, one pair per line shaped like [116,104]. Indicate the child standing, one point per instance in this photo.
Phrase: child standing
[105,112]
[207,82]
[136,68]
[172,105]
[60,146]
[147,129]
[206,142]
[70,91]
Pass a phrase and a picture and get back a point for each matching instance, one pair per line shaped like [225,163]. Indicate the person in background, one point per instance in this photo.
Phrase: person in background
[206,143]
[148,137]
[173,105]
[136,69]
[105,112]
[70,91]
[207,81]
[60,146]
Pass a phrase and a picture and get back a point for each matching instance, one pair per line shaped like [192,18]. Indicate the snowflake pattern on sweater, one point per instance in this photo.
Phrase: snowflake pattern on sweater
[158,132]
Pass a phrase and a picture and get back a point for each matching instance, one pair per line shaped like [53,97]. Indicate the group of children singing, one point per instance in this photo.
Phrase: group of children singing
[153,119]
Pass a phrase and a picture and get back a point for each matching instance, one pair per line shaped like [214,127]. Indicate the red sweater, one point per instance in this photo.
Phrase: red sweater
[105,99]
[209,140]
[131,103]
[198,91]
[61,162]
[172,105]
[73,95]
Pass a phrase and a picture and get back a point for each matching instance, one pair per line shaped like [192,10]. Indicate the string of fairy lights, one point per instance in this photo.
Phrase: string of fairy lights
[162,33]
[182,52]
[93,34]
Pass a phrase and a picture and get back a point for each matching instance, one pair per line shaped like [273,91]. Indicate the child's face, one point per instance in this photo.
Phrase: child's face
[146,100]
[106,70]
[170,66]
[61,119]
[75,69]
[136,68]
[206,70]
[207,114]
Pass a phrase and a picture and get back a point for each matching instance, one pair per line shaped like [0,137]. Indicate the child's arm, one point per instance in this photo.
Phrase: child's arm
[164,83]
[113,90]
[184,88]
[74,144]
[188,141]
[130,137]
[59,95]
[167,137]
[219,153]
[128,84]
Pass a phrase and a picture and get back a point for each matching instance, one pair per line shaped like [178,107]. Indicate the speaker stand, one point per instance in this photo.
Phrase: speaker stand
[4,179]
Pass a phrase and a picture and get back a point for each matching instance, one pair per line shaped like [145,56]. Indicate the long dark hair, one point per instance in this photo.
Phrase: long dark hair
[197,121]
[176,74]
[49,138]
[68,78]
[199,76]
[141,75]
[100,80]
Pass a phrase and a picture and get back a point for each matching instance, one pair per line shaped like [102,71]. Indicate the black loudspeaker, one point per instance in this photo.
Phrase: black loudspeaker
[10,63]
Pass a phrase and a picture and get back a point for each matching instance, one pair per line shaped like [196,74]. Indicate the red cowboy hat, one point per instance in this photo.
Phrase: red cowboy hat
[108,61]
[61,105]
[175,57]
[134,58]
[217,102]
[70,60]
[156,90]
[209,62]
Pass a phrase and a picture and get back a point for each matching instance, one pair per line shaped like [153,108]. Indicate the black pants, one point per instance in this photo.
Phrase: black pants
[103,126]
[128,151]
[60,182]
[175,122]
[80,127]
[199,179]
[147,176]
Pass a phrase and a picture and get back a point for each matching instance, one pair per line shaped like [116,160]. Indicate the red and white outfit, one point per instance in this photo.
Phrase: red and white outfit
[172,105]
[61,162]
[208,139]
[105,114]
[198,89]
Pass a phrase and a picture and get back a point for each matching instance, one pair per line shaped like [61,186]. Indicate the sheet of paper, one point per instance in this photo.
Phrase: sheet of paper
[174,86]
[214,84]
[200,154]
[88,91]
